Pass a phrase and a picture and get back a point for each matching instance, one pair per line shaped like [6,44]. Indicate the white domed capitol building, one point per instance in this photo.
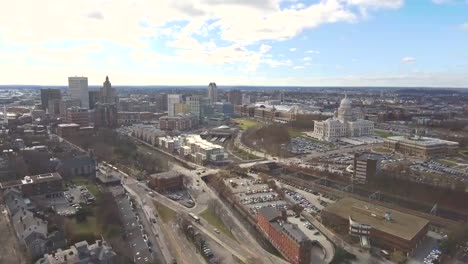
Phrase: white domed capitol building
[344,124]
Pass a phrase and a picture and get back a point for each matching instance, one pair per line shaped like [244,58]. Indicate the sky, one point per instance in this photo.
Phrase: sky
[236,42]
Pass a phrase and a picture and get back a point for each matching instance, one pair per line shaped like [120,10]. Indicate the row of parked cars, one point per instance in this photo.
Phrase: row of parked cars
[264,190]
[261,199]
[433,257]
[303,202]
[207,253]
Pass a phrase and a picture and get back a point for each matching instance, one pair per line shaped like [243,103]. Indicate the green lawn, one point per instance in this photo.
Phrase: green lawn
[89,184]
[245,155]
[464,152]
[214,220]
[383,133]
[382,150]
[295,133]
[245,123]
[166,213]
[447,162]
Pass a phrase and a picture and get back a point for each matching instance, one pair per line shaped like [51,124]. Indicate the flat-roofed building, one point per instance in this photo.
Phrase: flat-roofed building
[202,151]
[389,229]
[286,237]
[424,147]
[366,166]
[49,184]
[181,123]
[78,115]
[166,181]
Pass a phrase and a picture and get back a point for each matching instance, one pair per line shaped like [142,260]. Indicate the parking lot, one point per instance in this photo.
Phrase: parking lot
[312,201]
[441,169]
[181,196]
[135,234]
[255,194]
[300,145]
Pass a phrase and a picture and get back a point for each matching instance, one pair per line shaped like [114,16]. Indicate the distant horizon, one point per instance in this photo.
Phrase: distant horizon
[3,86]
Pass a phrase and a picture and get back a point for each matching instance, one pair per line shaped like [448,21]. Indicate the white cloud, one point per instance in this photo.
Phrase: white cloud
[307,59]
[292,49]
[376,4]
[313,52]
[298,67]
[134,24]
[464,26]
[408,60]
[441,2]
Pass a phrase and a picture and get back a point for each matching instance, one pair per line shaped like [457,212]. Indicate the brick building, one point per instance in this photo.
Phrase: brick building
[166,181]
[286,237]
[49,184]
[178,122]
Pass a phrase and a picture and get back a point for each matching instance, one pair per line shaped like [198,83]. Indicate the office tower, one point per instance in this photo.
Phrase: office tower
[245,99]
[105,115]
[54,107]
[161,102]
[235,97]
[93,98]
[366,166]
[172,99]
[78,88]
[213,92]
[108,94]
[47,95]
[194,105]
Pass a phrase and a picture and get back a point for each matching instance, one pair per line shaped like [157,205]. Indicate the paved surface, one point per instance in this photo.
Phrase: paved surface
[429,243]
[10,253]
[134,230]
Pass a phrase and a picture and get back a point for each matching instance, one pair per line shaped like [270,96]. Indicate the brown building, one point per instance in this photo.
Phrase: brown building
[389,229]
[77,115]
[49,184]
[178,122]
[235,97]
[166,181]
[366,166]
[286,237]
[105,115]
[49,94]
[244,110]
[424,147]
[72,130]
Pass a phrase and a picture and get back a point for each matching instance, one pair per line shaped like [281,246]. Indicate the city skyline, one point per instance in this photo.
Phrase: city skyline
[276,43]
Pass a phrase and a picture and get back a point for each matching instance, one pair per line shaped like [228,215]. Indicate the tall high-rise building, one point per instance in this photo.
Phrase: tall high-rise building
[172,99]
[105,115]
[161,101]
[194,105]
[93,98]
[54,107]
[78,88]
[47,95]
[213,92]
[108,94]
[235,97]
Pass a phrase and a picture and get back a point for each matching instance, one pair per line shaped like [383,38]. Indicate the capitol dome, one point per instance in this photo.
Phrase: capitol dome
[346,102]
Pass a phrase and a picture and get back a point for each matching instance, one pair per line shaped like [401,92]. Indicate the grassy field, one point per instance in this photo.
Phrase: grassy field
[382,150]
[245,123]
[447,162]
[464,153]
[383,133]
[244,154]
[166,213]
[295,133]
[214,220]
[89,184]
